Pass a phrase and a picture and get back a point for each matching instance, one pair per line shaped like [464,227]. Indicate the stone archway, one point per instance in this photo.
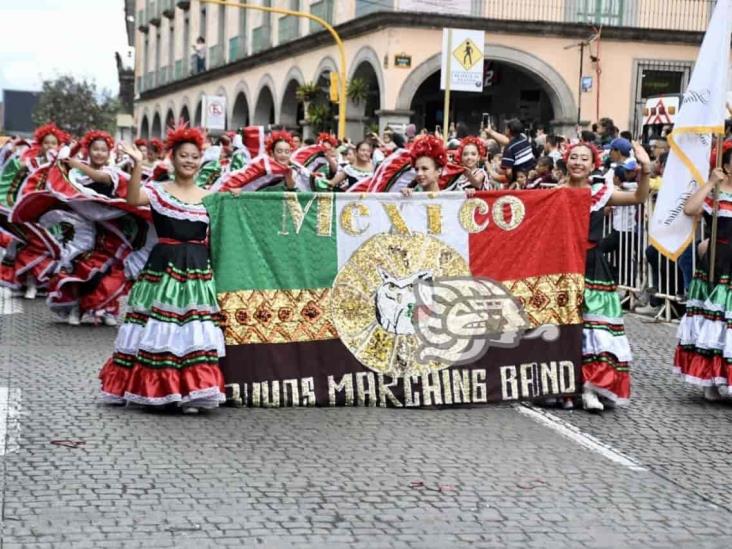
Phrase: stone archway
[185,114]
[145,128]
[170,121]
[365,67]
[264,110]
[157,128]
[240,111]
[198,117]
[291,110]
[562,100]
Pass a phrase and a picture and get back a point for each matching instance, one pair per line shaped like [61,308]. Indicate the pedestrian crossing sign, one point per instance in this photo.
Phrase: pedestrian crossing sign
[468,54]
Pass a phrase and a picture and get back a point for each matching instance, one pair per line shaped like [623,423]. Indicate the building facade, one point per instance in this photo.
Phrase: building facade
[537,53]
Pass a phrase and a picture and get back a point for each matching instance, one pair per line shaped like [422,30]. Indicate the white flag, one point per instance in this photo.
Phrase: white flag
[700,117]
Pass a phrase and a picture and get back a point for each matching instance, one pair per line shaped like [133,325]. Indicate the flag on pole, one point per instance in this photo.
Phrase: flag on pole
[700,117]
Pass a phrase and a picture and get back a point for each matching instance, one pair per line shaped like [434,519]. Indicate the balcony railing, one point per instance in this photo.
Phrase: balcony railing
[261,39]
[164,76]
[215,56]
[288,28]
[682,15]
[324,10]
[149,81]
[237,48]
[180,69]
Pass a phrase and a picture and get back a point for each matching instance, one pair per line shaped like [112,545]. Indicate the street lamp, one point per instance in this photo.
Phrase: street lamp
[327,26]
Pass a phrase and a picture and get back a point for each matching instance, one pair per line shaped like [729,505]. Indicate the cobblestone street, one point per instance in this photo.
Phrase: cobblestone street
[76,473]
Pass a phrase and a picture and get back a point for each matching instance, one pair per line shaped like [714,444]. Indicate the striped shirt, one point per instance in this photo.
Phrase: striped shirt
[518,154]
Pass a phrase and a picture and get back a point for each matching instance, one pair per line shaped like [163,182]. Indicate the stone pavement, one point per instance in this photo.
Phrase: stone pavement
[481,477]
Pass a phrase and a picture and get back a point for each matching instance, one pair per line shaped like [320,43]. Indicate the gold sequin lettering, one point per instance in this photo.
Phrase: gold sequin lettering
[325,214]
[365,389]
[345,385]
[348,218]
[549,378]
[518,212]
[566,377]
[431,389]
[290,393]
[386,397]
[479,390]
[395,218]
[292,208]
[307,389]
[509,383]
[461,386]
[434,219]
[467,215]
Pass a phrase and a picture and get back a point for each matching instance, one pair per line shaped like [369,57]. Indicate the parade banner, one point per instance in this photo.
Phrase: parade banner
[381,300]
[700,117]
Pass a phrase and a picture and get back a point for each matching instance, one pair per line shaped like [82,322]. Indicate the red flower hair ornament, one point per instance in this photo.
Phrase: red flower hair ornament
[275,137]
[596,156]
[727,145]
[95,135]
[471,140]
[157,145]
[182,134]
[325,137]
[140,142]
[431,146]
[50,129]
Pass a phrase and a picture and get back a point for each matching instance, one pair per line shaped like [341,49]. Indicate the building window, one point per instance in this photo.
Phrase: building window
[171,45]
[364,7]
[203,25]
[652,78]
[599,12]
[324,10]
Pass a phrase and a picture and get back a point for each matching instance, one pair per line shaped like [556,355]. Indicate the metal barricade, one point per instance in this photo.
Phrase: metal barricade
[643,274]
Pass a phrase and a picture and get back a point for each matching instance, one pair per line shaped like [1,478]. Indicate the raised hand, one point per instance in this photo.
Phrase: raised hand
[132,151]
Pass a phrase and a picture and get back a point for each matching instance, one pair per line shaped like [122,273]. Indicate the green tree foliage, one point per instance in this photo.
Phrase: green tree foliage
[76,106]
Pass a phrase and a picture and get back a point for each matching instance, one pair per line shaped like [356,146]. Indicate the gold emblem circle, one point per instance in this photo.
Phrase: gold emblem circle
[353,299]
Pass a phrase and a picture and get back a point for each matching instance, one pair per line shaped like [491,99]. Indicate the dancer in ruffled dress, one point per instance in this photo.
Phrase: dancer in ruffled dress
[168,348]
[704,352]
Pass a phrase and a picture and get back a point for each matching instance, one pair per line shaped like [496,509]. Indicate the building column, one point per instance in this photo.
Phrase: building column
[394,118]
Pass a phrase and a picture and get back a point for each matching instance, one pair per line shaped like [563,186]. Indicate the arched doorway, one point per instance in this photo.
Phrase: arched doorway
[199,114]
[145,128]
[539,87]
[156,126]
[170,120]
[185,116]
[363,101]
[240,113]
[322,113]
[510,92]
[264,111]
[291,111]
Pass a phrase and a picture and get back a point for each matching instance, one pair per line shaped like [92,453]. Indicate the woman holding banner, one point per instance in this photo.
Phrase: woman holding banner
[606,355]
[167,351]
[704,352]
